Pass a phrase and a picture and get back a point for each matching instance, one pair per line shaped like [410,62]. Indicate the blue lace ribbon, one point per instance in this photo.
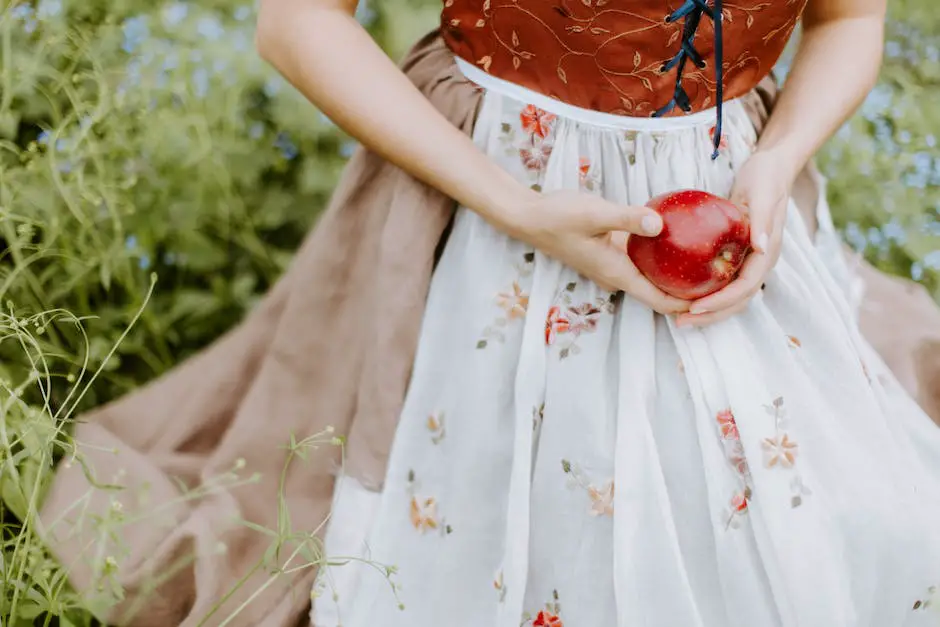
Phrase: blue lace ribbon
[692,11]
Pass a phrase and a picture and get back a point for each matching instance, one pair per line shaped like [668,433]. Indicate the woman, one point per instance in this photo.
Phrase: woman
[568,456]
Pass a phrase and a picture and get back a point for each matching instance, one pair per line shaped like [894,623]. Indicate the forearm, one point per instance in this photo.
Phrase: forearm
[332,60]
[835,67]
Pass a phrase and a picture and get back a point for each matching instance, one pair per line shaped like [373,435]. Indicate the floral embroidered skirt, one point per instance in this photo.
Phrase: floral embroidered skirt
[566,457]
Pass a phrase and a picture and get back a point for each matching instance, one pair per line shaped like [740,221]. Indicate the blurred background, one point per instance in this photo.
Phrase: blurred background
[156,178]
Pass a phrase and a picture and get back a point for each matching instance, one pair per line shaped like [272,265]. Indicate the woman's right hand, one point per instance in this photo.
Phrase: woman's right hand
[588,234]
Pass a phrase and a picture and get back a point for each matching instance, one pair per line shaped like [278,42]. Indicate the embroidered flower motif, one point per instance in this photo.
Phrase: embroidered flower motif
[550,616]
[737,458]
[572,319]
[734,452]
[500,586]
[536,122]
[547,619]
[535,158]
[423,511]
[435,424]
[602,498]
[723,143]
[583,318]
[515,303]
[739,501]
[779,450]
[588,178]
[729,428]
[794,342]
[555,324]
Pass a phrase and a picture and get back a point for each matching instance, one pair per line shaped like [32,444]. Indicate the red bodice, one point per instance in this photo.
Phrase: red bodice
[608,55]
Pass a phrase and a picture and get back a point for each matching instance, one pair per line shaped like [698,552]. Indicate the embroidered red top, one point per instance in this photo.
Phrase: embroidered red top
[621,56]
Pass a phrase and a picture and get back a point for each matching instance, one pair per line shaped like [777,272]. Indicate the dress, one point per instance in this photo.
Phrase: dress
[566,457]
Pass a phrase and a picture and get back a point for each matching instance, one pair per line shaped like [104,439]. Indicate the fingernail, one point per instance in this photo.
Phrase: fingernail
[650,224]
[762,242]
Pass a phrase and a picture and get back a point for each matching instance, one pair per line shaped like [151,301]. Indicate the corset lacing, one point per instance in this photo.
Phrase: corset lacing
[692,11]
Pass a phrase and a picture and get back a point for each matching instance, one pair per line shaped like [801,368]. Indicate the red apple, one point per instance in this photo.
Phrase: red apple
[704,241]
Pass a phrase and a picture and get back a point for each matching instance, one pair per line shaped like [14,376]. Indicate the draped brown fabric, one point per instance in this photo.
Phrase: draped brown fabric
[330,346]
[608,55]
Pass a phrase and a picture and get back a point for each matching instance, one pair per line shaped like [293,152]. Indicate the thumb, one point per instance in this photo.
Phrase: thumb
[760,230]
[605,216]
[758,221]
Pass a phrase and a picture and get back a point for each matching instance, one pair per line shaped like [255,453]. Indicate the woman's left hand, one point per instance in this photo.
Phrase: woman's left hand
[762,189]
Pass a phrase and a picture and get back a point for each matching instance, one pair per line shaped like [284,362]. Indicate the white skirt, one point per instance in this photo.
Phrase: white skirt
[568,458]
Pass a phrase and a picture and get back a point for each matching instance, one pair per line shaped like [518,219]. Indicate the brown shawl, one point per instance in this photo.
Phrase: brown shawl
[330,346]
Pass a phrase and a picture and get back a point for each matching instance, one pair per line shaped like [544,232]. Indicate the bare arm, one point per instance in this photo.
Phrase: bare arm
[325,53]
[836,65]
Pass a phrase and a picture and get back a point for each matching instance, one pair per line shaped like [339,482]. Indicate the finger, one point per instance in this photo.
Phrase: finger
[640,288]
[615,269]
[701,320]
[747,284]
[605,217]
[766,223]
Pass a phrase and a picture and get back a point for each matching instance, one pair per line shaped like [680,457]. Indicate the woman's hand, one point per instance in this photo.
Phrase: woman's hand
[762,188]
[835,65]
[588,234]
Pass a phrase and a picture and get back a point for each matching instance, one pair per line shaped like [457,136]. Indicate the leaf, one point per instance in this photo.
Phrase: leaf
[515,39]
[636,60]
[516,62]
[12,495]
[562,75]
[104,272]
[26,611]
[191,302]
[481,344]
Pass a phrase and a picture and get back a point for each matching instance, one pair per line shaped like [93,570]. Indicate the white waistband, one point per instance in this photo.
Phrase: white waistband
[580,114]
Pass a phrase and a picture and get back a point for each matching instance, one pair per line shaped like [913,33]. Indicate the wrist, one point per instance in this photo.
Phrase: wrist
[509,207]
[787,162]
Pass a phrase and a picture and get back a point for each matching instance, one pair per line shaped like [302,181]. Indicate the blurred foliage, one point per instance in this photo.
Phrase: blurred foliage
[884,164]
[144,142]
